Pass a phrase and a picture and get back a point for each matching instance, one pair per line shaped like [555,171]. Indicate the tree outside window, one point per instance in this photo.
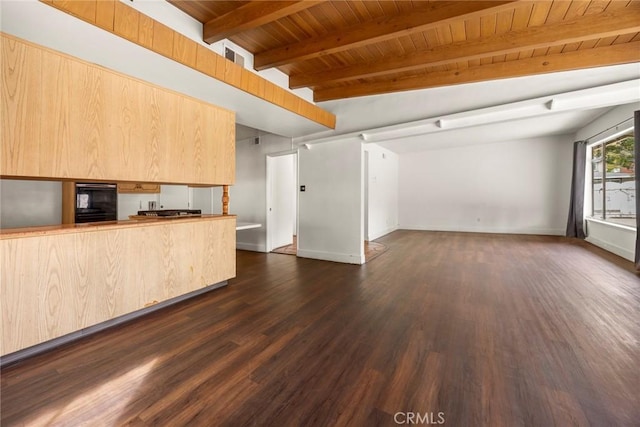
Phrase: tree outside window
[613,180]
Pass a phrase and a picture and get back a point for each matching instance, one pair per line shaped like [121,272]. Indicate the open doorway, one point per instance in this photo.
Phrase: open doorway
[282,203]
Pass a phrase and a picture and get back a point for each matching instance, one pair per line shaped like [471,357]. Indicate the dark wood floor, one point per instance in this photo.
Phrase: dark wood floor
[490,330]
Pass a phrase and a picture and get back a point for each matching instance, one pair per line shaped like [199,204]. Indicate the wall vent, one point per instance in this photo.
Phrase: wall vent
[234,56]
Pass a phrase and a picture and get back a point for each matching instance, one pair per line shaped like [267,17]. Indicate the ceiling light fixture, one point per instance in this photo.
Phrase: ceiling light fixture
[618,94]
[402,131]
[597,97]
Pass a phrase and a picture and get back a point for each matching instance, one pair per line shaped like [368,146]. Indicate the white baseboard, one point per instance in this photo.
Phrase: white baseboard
[251,247]
[331,256]
[379,234]
[479,229]
[607,246]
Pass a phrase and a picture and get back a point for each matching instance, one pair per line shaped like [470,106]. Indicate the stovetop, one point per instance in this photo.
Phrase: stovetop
[171,212]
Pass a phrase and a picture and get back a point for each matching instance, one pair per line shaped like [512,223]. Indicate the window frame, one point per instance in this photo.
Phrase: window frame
[602,142]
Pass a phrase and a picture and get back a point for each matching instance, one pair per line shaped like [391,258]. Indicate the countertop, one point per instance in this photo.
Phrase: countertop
[13,233]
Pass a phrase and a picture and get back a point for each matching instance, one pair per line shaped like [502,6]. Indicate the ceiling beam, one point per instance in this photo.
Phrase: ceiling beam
[251,15]
[597,57]
[592,27]
[377,30]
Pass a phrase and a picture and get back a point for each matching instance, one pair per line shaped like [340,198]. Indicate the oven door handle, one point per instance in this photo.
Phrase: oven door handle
[80,185]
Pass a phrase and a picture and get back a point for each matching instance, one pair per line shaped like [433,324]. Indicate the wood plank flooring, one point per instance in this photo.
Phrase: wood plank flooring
[488,330]
[371,249]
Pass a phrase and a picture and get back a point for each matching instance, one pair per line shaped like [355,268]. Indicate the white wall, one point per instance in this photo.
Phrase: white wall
[619,240]
[30,203]
[173,17]
[382,184]
[131,203]
[508,187]
[330,211]
[203,198]
[248,196]
[614,238]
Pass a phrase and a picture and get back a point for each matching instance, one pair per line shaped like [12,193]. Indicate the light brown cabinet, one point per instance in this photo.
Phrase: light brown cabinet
[138,187]
[63,280]
[64,118]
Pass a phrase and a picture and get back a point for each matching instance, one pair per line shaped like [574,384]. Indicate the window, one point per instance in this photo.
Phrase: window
[613,180]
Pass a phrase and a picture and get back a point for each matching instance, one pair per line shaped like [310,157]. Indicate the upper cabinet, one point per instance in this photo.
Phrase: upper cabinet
[67,119]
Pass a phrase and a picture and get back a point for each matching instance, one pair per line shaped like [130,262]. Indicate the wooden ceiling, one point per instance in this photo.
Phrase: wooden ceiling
[343,49]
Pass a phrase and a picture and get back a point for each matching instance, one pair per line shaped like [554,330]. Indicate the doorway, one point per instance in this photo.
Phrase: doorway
[282,201]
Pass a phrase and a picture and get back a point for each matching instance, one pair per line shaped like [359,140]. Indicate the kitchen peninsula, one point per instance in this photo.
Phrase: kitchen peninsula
[94,124]
[60,279]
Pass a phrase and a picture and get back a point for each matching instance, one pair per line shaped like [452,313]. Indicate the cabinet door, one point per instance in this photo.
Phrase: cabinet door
[68,119]
[21,109]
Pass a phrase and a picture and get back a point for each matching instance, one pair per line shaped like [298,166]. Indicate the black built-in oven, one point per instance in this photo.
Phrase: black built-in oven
[96,202]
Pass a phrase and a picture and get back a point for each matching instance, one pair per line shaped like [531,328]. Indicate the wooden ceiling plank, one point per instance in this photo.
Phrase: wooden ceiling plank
[250,16]
[577,8]
[624,38]
[487,29]
[359,10]
[570,47]
[604,26]
[597,6]
[419,41]
[406,45]
[539,13]
[558,11]
[472,27]
[459,34]
[377,30]
[538,16]
[504,25]
[606,41]
[601,56]
[521,18]
[588,44]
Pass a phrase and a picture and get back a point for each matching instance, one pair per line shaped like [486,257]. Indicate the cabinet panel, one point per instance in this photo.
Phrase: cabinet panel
[223,152]
[52,285]
[56,159]
[94,124]
[88,120]
[21,109]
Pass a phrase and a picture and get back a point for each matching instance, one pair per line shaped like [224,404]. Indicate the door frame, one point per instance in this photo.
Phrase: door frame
[269,199]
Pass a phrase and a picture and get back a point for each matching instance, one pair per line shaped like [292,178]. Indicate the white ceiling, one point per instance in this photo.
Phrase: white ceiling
[513,130]
[359,115]
[42,24]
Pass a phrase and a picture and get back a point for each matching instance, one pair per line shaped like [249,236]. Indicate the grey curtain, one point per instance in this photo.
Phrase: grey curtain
[636,149]
[575,224]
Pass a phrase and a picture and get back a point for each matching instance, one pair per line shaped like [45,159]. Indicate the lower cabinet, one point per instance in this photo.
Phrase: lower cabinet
[138,187]
[61,282]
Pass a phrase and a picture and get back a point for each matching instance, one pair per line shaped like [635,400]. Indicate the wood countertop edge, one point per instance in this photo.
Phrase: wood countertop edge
[15,233]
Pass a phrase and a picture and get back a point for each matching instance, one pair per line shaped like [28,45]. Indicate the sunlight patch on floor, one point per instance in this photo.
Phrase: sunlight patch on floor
[100,409]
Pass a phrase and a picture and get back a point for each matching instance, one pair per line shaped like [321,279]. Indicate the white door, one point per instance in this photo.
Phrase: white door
[366,195]
[280,200]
